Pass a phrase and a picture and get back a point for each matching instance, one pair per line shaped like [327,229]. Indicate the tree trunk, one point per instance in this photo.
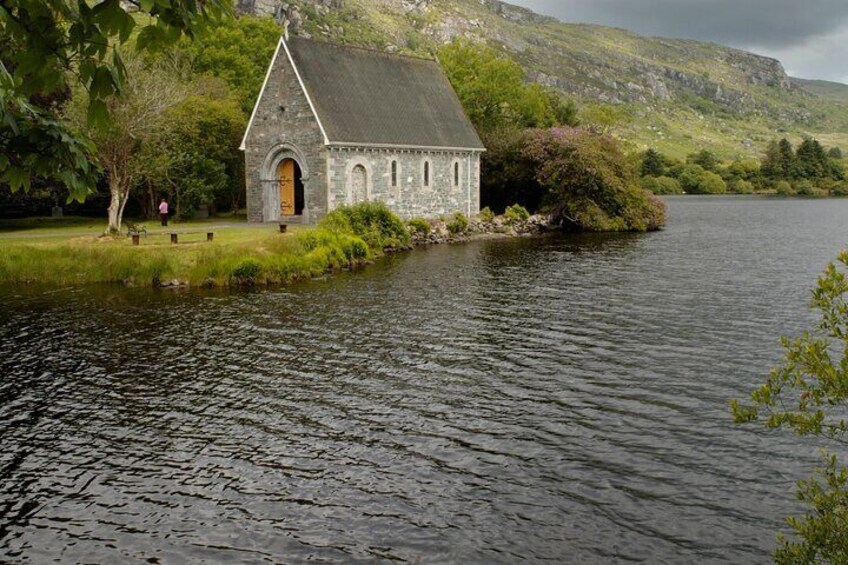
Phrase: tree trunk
[115,208]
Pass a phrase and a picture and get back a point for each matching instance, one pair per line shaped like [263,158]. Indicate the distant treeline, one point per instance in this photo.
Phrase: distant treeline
[809,170]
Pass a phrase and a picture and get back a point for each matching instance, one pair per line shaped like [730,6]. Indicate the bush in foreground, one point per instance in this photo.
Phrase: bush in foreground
[378,226]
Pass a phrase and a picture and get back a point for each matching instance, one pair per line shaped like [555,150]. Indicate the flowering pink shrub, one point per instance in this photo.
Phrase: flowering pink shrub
[589,184]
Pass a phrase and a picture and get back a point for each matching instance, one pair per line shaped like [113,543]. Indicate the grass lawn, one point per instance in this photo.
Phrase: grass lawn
[35,255]
[38,251]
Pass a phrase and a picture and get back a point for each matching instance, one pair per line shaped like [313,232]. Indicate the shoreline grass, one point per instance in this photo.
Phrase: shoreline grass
[238,257]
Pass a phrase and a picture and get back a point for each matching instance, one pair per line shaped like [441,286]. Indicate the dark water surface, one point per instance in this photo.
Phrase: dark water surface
[561,399]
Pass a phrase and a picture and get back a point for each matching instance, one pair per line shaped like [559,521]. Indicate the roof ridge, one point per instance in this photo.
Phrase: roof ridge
[366,49]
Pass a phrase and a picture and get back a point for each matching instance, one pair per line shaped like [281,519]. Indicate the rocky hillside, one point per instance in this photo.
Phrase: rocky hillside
[676,95]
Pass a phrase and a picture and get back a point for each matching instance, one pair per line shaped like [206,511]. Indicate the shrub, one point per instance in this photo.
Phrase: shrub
[378,226]
[783,188]
[711,183]
[487,215]
[419,226]
[247,272]
[689,177]
[661,185]
[516,213]
[743,187]
[839,189]
[589,182]
[458,224]
[807,188]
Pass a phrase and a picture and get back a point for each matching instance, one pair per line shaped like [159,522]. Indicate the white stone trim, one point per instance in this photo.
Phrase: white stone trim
[243,145]
[306,92]
[433,149]
[348,180]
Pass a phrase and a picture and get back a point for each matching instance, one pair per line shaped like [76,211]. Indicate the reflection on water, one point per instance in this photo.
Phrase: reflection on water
[560,399]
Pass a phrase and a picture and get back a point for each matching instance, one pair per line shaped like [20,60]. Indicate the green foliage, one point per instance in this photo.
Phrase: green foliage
[238,50]
[46,46]
[196,157]
[507,175]
[487,215]
[746,169]
[653,164]
[808,394]
[742,186]
[711,183]
[419,226]
[689,177]
[839,189]
[662,185]
[604,117]
[457,225]
[494,93]
[706,159]
[378,226]
[516,214]
[590,184]
[807,188]
[247,272]
[784,188]
[834,153]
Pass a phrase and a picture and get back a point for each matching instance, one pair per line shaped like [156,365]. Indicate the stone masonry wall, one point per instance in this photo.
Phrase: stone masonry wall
[410,198]
[284,125]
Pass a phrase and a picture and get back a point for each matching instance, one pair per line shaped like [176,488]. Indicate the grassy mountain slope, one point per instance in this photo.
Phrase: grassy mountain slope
[676,95]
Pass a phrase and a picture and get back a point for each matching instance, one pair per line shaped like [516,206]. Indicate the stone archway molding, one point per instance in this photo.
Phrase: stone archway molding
[270,194]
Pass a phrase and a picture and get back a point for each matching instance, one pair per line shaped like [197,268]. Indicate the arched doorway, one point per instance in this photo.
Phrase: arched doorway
[358,184]
[290,185]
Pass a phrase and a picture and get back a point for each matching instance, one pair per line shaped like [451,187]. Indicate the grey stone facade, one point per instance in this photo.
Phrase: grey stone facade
[406,192]
[284,127]
[287,125]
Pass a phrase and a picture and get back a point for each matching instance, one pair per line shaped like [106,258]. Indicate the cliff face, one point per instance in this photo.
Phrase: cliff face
[676,82]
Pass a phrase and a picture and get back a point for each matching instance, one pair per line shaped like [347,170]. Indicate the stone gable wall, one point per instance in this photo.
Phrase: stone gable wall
[284,124]
[410,198]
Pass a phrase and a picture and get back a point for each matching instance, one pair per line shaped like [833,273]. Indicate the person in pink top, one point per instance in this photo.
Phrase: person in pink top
[163,212]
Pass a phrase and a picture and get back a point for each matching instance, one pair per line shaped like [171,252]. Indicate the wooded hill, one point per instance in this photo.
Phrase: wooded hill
[675,95]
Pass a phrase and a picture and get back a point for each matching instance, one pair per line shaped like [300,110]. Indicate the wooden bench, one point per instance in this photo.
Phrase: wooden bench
[135,229]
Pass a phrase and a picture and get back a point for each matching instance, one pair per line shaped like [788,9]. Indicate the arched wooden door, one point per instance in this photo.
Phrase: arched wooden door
[286,174]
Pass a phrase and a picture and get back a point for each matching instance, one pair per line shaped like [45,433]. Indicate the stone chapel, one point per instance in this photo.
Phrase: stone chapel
[337,125]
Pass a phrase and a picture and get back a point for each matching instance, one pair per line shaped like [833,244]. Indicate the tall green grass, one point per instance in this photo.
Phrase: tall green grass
[343,239]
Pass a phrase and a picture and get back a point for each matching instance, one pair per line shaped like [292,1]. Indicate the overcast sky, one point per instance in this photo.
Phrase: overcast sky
[810,37]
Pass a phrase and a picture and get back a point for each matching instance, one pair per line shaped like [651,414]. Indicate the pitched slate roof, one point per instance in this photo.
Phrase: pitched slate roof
[370,97]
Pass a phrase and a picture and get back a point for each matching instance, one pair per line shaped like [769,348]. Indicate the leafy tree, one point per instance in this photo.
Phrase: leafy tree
[589,183]
[741,186]
[196,157]
[653,163]
[494,93]
[811,161]
[834,153]
[136,117]
[661,185]
[779,160]
[705,158]
[711,183]
[51,45]
[690,177]
[237,50]
[808,394]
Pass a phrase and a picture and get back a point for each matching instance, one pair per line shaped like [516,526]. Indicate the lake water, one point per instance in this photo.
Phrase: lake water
[557,399]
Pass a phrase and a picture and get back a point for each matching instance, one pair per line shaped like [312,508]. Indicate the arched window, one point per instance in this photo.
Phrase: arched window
[426,173]
[358,184]
[394,173]
[456,173]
